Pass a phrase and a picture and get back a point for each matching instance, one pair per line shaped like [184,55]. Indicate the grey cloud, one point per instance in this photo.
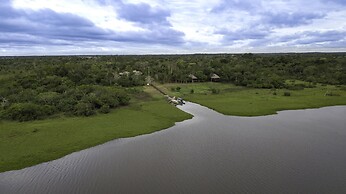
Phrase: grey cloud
[321,37]
[143,13]
[49,25]
[246,5]
[340,2]
[290,19]
[328,38]
[251,33]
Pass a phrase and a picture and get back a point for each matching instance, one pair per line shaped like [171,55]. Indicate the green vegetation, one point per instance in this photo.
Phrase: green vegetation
[24,144]
[34,88]
[244,101]
[37,91]
[52,106]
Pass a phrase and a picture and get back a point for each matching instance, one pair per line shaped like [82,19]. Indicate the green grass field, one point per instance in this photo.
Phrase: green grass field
[23,144]
[242,101]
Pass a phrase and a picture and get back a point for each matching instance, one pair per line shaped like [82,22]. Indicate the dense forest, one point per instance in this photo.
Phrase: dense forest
[37,87]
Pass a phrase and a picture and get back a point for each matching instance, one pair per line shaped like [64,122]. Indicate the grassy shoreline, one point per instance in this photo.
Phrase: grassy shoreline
[242,101]
[24,144]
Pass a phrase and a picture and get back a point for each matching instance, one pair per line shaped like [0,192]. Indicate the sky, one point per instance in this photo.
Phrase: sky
[93,27]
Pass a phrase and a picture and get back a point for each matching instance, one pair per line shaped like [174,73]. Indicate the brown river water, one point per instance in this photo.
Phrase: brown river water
[298,151]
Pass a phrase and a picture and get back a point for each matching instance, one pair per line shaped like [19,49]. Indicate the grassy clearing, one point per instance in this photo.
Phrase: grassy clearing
[241,101]
[29,143]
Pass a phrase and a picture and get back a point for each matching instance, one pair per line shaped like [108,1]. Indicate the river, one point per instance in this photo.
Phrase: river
[296,151]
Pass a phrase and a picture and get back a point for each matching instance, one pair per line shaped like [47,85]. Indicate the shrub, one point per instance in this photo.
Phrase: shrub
[331,93]
[49,98]
[123,99]
[311,85]
[104,109]
[67,104]
[178,89]
[35,130]
[215,91]
[26,112]
[2,114]
[132,90]
[296,87]
[287,93]
[84,109]
[192,91]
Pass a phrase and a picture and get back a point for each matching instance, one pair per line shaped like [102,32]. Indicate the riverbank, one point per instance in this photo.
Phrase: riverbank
[242,101]
[210,153]
[24,144]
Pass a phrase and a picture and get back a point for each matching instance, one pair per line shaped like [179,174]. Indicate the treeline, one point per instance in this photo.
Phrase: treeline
[40,87]
[36,87]
[83,100]
[252,70]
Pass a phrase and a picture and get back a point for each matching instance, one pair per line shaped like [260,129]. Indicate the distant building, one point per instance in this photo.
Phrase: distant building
[193,78]
[214,77]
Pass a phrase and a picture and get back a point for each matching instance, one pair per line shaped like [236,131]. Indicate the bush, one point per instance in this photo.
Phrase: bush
[67,104]
[296,87]
[178,89]
[27,112]
[343,88]
[2,114]
[84,109]
[49,98]
[192,91]
[104,109]
[331,93]
[132,90]
[123,98]
[215,91]
[287,93]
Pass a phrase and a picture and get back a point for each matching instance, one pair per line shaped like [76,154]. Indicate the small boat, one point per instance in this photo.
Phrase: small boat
[181,101]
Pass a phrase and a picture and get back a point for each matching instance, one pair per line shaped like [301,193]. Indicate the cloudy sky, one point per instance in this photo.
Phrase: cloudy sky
[54,27]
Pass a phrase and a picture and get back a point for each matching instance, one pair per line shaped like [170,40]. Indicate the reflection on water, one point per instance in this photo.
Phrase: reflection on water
[301,151]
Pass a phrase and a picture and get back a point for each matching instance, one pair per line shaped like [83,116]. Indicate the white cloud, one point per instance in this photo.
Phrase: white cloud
[103,16]
[199,21]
